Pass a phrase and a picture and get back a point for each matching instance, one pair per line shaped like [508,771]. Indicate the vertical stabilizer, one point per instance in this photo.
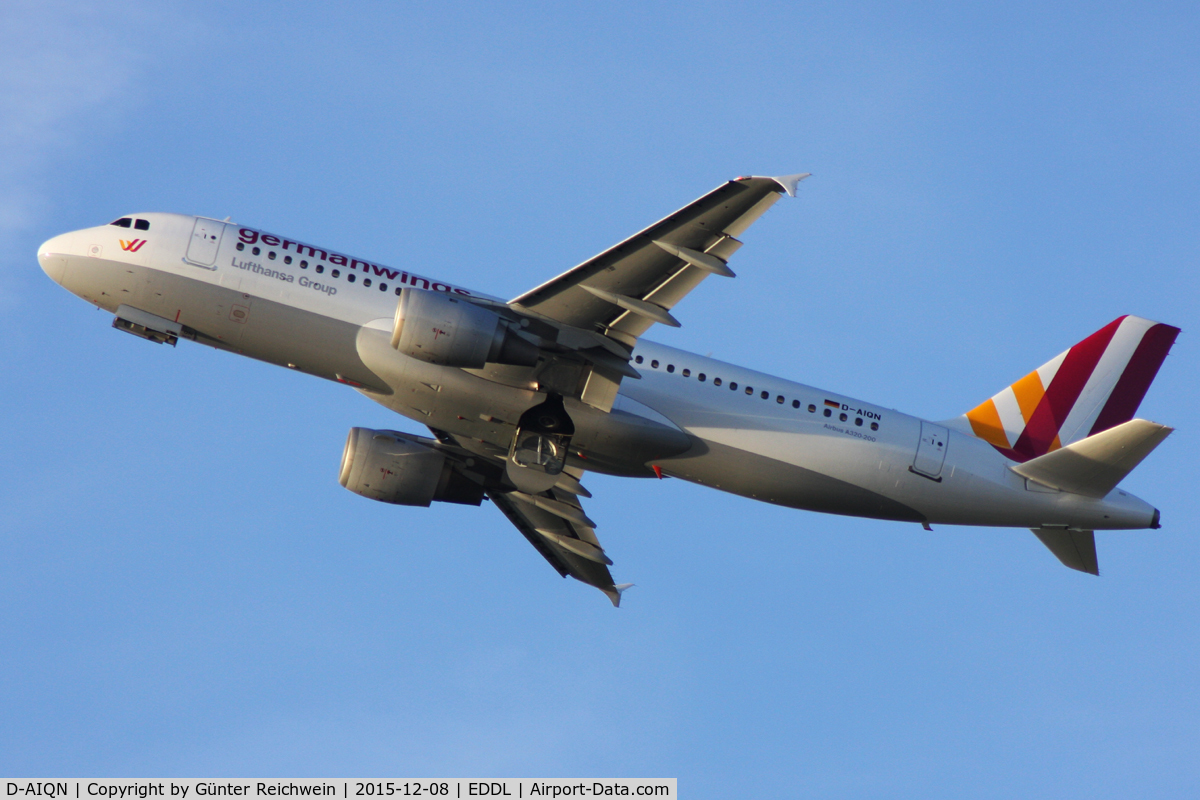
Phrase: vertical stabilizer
[1096,385]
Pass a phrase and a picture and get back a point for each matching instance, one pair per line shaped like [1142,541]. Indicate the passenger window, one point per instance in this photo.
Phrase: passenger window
[241,246]
[858,421]
[303,265]
[335,273]
[733,386]
[256,251]
[779,399]
[828,413]
[350,276]
[654,363]
[287,259]
[397,291]
[687,373]
[123,222]
[383,287]
[670,367]
[874,426]
[749,390]
[842,416]
[795,404]
[320,267]
[142,225]
[812,407]
[366,281]
[716,381]
[271,255]
[700,377]
[765,395]
[638,359]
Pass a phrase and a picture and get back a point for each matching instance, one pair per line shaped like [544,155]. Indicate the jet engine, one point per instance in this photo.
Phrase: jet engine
[396,468]
[447,330]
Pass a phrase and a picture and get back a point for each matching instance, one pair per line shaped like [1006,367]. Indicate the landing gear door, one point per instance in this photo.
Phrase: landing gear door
[931,450]
[206,239]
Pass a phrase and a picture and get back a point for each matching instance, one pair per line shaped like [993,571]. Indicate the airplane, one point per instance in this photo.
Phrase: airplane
[524,397]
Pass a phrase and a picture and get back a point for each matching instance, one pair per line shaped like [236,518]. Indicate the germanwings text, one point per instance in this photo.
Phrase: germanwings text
[251,236]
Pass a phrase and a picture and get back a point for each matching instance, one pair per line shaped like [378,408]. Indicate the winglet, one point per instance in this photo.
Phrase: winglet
[788,182]
[615,593]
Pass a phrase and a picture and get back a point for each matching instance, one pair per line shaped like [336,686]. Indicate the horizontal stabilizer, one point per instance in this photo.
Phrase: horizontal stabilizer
[1095,465]
[1075,549]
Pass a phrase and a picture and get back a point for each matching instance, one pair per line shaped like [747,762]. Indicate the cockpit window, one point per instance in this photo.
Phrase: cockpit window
[123,222]
[142,224]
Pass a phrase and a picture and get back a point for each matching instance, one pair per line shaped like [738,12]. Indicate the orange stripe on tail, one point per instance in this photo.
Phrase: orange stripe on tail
[1029,393]
[985,422]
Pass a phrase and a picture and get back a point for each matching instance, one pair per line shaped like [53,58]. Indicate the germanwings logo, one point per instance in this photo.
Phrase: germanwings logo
[133,245]
[1092,387]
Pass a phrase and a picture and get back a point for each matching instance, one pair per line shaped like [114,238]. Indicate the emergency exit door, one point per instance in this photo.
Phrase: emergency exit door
[206,239]
[931,450]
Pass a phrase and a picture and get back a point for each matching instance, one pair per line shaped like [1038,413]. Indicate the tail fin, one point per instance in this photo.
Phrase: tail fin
[1092,387]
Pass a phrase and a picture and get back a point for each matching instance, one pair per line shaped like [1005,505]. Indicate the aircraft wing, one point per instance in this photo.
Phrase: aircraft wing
[554,523]
[632,285]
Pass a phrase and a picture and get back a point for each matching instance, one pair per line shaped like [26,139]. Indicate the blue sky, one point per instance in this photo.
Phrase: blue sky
[186,590]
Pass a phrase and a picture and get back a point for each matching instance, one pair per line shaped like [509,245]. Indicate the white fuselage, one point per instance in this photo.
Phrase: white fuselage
[692,417]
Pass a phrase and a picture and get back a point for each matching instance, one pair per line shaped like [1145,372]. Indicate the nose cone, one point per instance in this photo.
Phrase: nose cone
[52,256]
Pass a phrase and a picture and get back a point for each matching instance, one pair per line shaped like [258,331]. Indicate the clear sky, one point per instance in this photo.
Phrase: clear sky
[185,590]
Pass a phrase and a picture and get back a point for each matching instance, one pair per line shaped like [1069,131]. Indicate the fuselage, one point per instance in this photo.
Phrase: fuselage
[695,418]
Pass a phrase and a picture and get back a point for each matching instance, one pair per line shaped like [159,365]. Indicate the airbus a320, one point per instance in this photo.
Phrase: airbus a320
[524,397]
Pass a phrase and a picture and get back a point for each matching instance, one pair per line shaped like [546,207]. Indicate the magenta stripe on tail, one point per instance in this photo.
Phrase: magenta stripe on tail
[1131,387]
[1043,426]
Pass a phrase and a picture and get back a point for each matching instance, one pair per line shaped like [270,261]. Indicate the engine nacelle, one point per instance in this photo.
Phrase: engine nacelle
[447,330]
[394,468]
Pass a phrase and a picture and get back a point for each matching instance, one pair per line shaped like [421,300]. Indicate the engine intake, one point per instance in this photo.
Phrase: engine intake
[447,330]
[393,467]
